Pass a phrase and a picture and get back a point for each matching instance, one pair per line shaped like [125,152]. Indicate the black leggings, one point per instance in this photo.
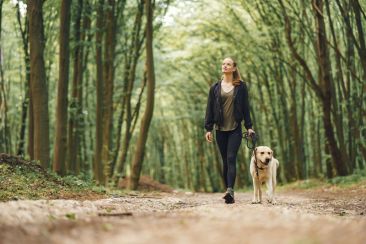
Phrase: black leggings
[229,143]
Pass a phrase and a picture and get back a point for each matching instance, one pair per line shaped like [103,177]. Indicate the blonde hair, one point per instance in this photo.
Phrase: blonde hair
[236,73]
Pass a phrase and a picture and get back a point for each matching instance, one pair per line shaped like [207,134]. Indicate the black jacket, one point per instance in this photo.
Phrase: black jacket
[214,106]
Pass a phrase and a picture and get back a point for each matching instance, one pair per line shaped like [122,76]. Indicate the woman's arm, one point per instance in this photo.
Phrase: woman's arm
[209,117]
[246,109]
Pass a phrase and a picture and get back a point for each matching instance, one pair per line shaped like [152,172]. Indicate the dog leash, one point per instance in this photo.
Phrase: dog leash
[253,138]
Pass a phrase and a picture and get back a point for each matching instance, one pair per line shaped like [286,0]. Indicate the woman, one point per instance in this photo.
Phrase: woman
[227,107]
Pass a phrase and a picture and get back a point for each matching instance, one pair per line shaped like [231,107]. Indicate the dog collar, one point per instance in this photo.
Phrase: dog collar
[260,168]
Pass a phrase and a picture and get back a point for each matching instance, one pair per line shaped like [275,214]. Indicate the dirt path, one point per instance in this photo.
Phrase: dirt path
[299,217]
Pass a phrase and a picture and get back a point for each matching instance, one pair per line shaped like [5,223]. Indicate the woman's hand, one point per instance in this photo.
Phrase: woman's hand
[251,132]
[208,136]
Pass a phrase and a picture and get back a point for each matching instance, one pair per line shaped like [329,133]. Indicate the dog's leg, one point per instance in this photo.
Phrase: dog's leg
[269,190]
[259,192]
[274,181]
[255,192]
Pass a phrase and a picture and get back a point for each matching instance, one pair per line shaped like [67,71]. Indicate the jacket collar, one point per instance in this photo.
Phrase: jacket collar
[218,88]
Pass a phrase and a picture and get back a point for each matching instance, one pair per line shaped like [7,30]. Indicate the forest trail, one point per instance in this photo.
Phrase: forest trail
[300,216]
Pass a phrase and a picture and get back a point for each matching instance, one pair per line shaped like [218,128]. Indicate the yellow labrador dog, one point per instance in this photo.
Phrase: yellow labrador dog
[263,168]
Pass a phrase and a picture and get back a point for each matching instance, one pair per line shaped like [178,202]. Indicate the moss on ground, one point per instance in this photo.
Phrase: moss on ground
[21,179]
[357,179]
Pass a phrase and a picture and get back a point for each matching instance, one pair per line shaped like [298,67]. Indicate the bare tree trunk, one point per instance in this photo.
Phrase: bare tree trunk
[361,99]
[87,36]
[339,159]
[108,72]
[25,104]
[98,167]
[294,128]
[316,142]
[85,159]
[75,104]
[135,51]
[131,119]
[3,102]
[39,89]
[361,36]
[343,91]
[145,123]
[60,146]
[30,148]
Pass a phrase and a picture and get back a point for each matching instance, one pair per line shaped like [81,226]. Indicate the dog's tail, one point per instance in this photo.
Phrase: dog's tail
[274,177]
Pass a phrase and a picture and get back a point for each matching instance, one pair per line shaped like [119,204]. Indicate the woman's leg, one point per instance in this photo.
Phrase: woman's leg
[222,140]
[233,144]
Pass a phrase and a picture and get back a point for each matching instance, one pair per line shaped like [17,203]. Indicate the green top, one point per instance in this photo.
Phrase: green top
[227,99]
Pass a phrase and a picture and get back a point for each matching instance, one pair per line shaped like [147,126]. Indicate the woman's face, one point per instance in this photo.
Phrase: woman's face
[227,66]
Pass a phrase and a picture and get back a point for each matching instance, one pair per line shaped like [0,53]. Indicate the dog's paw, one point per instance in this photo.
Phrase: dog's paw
[272,201]
[256,202]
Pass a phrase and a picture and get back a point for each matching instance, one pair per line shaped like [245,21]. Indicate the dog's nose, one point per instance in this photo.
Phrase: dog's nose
[267,160]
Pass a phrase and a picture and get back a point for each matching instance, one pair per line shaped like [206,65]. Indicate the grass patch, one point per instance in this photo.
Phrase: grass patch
[20,179]
[303,184]
[358,178]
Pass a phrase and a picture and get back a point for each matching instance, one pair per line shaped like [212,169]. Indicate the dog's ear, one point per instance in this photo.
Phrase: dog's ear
[272,153]
[254,152]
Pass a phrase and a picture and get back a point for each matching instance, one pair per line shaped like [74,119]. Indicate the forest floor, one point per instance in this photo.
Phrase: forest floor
[72,211]
[323,215]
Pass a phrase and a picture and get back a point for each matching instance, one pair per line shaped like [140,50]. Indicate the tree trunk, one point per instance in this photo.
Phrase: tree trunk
[3,102]
[25,104]
[5,135]
[30,148]
[316,142]
[343,93]
[39,89]
[108,72]
[361,36]
[59,158]
[132,59]
[339,159]
[294,128]
[361,99]
[145,123]
[84,158]
[76,100]
[98,167]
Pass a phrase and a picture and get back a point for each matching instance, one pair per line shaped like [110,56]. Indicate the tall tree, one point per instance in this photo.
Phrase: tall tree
[132,58]
[76,99]
[108,78]
[3,102]
[39,90]
[145,122]
[60,145]
[326,82]
[26,100]
[98,166]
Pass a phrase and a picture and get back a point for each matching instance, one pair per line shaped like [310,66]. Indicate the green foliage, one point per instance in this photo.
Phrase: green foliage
[357,176]
[303,184]
[23,181]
